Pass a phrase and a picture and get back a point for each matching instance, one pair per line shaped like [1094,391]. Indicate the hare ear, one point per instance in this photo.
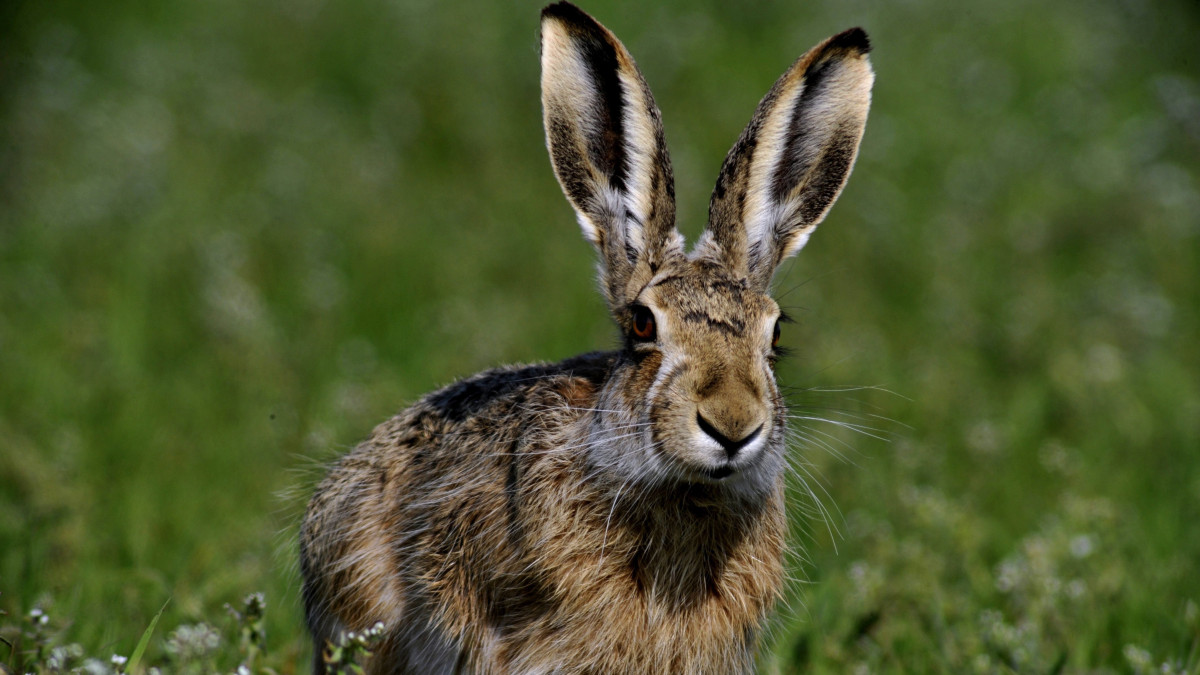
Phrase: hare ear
[606,142]
[791,162]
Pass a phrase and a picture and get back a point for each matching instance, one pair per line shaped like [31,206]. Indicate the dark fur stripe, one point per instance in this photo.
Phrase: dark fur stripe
[840,146]
[733,328]
[825,185]
[573,173]
[607,148]
[469,397]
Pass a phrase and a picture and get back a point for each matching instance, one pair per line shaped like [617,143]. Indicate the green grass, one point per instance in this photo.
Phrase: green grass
[236,235]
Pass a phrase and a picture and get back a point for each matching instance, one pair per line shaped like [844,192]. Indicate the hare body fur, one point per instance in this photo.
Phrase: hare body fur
[617,512]
[476,511]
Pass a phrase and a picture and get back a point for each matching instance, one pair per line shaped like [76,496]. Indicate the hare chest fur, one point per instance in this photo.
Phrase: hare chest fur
[618,512]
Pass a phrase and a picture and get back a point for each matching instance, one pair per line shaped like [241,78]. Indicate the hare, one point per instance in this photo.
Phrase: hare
[623,511]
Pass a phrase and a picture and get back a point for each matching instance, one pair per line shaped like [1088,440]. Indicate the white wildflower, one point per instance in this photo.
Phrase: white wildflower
[1082,545]
[193,641]
[95,667]
[1139,659]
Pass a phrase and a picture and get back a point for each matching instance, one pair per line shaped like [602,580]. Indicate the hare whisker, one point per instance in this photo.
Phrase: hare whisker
[873,432]
[821,439]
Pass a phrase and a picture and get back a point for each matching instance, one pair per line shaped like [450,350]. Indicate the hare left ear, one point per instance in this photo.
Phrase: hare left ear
[606,142]
[792,160]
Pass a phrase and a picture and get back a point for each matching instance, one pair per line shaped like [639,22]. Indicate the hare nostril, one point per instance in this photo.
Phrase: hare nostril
[731,446]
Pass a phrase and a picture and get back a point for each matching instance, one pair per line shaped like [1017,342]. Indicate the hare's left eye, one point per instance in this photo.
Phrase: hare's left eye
[643,323]
[775,335]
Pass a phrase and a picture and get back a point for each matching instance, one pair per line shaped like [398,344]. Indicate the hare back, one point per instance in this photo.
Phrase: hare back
[475,526]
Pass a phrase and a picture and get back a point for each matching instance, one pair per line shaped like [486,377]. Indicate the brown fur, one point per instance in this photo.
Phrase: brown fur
[618,512]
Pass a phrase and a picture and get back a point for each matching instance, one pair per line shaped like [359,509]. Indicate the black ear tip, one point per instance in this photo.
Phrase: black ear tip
[854,39]
[566,12]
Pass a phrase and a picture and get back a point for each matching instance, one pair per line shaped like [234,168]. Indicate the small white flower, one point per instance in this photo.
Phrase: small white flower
[193,641]
[1138,657]
[858,571]
[1009,575]
[94,667]
[1082,546]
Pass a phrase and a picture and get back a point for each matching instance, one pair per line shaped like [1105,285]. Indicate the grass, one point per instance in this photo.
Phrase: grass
[234,236]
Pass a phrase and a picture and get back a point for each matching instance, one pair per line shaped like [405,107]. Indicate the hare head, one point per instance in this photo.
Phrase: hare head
[696,400]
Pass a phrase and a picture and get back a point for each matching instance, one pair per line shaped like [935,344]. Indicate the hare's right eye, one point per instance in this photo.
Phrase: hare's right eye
[643,323]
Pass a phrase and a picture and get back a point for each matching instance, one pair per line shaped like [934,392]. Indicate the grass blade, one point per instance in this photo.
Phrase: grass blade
[135,658]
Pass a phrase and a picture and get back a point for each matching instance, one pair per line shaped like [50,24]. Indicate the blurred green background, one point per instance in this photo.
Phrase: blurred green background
[234,235]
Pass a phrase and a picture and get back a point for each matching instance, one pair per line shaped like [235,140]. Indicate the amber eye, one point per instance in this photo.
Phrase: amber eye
[643,323]
[775,335]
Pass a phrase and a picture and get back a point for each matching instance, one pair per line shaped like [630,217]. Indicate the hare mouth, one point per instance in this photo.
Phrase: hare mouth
[721,472]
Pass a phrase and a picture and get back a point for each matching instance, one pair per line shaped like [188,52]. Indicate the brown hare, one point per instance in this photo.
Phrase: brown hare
[618,512]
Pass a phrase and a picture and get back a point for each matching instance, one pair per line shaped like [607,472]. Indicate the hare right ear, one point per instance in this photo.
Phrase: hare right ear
[606,142]
[791,162]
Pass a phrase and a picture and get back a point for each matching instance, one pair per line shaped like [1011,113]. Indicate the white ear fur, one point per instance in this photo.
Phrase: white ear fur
[641,142]
[791,162]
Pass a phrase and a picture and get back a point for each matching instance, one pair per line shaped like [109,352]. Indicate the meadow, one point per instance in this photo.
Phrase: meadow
[235,235]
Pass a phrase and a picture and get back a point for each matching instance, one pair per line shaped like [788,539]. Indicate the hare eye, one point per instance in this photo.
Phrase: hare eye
[643,323]
[775,335]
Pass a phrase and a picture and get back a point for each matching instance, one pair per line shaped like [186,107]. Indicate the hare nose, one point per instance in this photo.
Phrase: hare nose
[732,441]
